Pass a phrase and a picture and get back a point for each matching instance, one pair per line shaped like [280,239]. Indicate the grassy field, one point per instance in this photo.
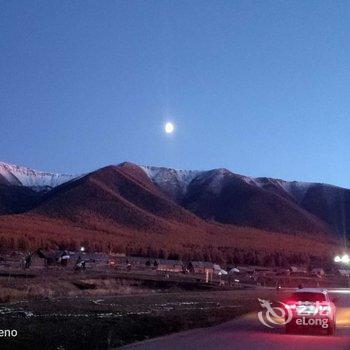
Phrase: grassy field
[61,309]
[102,322]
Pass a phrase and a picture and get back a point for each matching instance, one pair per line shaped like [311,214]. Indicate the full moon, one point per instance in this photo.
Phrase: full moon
[169,128]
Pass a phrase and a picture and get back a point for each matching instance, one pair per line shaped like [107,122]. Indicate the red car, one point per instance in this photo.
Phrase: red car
[312,308]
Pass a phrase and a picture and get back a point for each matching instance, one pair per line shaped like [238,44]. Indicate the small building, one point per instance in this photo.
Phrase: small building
[170,266]
[298,269]
[118,255]
[208,275]
[282,272]
[36,262]
[222,272]
[217,269]
[201,267]
[344,272]
[118,258]
[233,270]
[318,271]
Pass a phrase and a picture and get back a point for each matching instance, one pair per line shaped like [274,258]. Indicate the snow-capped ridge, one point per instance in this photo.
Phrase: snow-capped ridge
[172,181]
[164,174]
[176,181]
[23,176]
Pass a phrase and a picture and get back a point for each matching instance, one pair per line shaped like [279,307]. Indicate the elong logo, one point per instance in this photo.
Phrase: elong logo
[274,315]
[304,321]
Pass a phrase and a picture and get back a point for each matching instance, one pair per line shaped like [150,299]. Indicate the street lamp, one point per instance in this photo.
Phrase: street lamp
[345,259]
[82,249]
[337,259]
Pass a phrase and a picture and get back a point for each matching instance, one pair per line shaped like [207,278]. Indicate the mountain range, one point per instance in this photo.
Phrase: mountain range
[143,206]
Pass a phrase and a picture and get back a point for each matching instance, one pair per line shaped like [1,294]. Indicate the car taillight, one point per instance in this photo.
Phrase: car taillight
[324,308]
[290,306]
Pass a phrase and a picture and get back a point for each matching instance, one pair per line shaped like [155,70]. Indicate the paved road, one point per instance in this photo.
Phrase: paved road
[248,333]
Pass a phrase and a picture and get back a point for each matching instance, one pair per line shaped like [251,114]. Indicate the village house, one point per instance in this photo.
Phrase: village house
[200,267]
[318,271]
[170,265]
[298,270]
[344,272]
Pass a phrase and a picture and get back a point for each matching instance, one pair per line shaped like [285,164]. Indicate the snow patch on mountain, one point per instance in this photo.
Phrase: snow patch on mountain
[175,182]
[162,174]
[23,176]
[212,179]
[172,181]
[217,178]
[295,189]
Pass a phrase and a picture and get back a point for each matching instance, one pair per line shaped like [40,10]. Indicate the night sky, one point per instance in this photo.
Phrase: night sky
[259,87]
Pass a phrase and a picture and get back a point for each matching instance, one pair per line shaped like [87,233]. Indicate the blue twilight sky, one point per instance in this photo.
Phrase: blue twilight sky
[259,87]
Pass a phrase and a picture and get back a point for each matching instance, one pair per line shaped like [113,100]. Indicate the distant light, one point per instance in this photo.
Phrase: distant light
[169,128]
[340,291]
[345,259]
[337,259]
[82,249]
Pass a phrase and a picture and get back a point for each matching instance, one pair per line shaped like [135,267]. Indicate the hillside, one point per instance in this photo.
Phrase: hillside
[205,215]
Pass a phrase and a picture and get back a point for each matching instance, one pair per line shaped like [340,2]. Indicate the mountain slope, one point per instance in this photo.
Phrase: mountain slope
[120,208]
[17,199]
[22,176]
[265,203]
[115,195]
[329,203]
[215,195]
[116,205]
[222,196]
[172,182]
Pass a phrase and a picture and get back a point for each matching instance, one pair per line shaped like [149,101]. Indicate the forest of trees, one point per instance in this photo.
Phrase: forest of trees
[219,254]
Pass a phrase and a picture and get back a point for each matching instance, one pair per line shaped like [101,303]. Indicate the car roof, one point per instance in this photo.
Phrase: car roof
[311,290]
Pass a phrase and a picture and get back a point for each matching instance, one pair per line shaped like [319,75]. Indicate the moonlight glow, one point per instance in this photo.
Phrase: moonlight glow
[169,128]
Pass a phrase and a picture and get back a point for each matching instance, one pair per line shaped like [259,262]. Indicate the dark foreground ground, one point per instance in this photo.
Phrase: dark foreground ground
[101,323]
[247,332]
[61,309]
